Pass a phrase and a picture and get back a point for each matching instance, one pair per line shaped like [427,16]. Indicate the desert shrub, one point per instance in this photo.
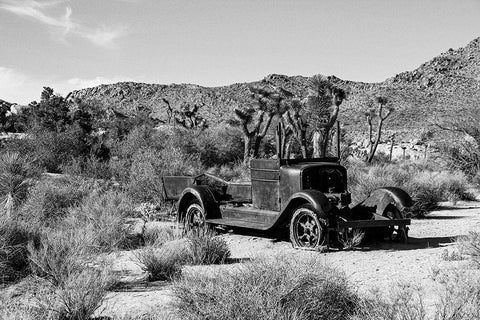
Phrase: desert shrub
[261,289]
[50,198]
[459,296]
[218,145]
[160,264]
[401,302]
[157,235]
[470,245]
[14,238]
[52,149]
[89,167]
[82,293]
[101,218]
[61,253]
[464,157]
[315,297]
[25,303]
[206,247]
[16,174]
[149,166]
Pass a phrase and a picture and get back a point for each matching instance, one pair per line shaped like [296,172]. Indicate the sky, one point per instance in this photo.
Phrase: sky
[74,44]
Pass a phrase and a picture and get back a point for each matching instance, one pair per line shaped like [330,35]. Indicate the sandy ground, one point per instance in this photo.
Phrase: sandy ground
[376,266]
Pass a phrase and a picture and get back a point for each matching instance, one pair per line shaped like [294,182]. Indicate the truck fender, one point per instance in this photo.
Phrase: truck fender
[204,196]
[381,198]
[317,199]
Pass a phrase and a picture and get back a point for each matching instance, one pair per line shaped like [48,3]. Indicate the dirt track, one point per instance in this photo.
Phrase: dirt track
[378,266]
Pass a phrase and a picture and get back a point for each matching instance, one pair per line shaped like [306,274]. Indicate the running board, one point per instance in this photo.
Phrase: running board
[240,223]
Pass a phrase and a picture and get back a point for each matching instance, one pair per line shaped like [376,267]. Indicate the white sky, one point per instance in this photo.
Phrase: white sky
[72,44]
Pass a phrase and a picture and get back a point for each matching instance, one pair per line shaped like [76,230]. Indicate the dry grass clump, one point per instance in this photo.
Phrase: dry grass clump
[160,264]
[403,302]
[156,235]
[199,247]
[279,288]
[459,297]
[14,238]
[60,254]
[16,175]
[206,247]
[320,297]
[470,245]
[28,302]
[78,279]
[426,186]
[101,216]
[50,198]
[82,293]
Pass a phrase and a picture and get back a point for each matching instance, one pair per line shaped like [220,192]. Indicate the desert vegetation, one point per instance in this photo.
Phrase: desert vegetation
[80,171]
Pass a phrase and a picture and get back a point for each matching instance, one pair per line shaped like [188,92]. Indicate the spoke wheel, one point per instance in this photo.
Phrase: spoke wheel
[194,216]
[306,230]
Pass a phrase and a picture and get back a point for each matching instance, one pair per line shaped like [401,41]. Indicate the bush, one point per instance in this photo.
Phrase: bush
[26,306]
[260,289]
[470,245]
[61,253]
[101,217]
[49,199]
[16,173]
[149,166]
[79,279]
[83,293]
[89,167]
[459,296]
[53,149]
[206,247]
[157,235]
[402,302]
[14,238]
[161,264]
[319,296]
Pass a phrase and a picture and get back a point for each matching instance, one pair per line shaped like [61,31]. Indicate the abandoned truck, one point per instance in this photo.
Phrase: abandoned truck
[309,197]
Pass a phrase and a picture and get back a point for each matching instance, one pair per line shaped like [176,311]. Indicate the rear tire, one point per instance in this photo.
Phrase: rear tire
[307,231]
[194,217]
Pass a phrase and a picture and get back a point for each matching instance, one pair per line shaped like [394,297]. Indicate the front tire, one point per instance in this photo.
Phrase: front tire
[307,231]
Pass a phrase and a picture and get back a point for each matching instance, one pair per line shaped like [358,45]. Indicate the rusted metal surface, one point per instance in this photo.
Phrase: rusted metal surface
[173,186]
[265,184]
[240,192]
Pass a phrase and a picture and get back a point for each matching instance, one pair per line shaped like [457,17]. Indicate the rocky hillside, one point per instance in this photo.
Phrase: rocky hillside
[435,90]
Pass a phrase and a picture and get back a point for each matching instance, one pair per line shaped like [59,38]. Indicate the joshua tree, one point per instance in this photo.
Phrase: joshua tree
[380,116]
[255,120]
[297,125]
[323,105]
[187,117]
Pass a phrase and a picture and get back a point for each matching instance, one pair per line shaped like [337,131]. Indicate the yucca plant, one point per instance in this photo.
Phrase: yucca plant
[16,173]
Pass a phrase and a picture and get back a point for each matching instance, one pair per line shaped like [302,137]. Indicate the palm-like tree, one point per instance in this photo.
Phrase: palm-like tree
[323,103]
[16,173]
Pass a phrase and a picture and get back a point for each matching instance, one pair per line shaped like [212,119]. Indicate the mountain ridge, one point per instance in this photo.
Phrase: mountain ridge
[421,96]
